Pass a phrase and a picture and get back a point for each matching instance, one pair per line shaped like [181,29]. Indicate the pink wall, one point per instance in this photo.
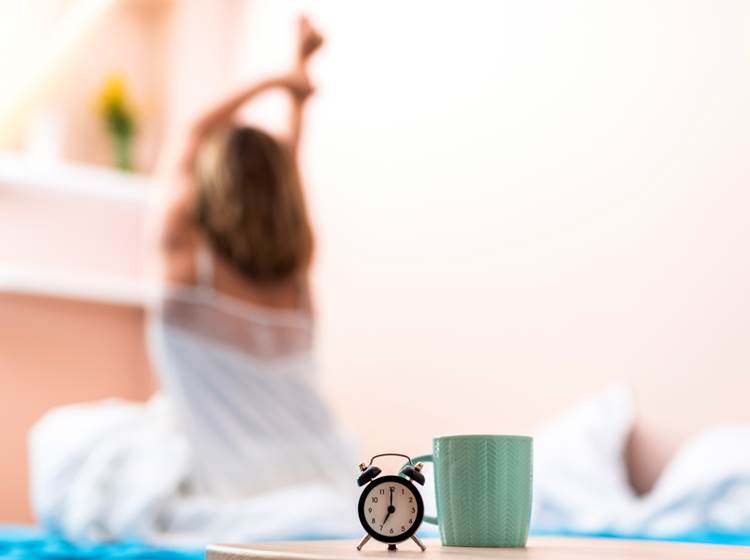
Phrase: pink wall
[123,39]
[519,201]
[166,51]
[55,352]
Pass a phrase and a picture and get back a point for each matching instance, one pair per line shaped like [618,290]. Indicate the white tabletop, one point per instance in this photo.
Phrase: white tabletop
[539,548]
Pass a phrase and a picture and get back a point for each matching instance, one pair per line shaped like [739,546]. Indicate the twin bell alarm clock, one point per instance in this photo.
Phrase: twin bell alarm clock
[390,507]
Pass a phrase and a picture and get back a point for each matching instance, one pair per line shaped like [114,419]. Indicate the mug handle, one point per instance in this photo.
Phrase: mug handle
[426,458]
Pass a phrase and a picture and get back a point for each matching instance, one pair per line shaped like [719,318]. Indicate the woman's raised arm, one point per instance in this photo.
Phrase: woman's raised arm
[308,42]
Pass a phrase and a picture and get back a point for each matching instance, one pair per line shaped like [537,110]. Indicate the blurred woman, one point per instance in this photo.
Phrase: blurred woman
[238,445]
[235,198]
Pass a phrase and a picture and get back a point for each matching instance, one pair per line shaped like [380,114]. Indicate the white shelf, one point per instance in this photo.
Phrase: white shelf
[21,172]
[54,283]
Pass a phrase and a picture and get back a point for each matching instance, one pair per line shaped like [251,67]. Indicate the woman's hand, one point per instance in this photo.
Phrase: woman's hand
[297,83]
[309,39]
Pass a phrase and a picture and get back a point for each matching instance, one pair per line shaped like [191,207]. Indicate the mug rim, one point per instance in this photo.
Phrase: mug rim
[484,436]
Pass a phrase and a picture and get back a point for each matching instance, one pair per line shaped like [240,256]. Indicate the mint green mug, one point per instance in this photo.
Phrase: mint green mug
[483,487]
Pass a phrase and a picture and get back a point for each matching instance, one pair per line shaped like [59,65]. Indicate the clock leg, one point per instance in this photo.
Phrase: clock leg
[363,542]
[420,544]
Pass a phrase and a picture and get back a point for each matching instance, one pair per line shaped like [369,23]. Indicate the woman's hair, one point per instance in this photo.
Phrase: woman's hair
[251,205]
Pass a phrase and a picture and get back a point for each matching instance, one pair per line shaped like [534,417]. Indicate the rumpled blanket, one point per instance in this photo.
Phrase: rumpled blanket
[117,471]
[581,484]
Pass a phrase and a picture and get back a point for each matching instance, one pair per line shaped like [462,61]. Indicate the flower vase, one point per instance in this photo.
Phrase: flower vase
[123,151]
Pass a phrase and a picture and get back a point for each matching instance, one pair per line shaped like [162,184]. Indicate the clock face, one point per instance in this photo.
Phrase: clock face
[390,509]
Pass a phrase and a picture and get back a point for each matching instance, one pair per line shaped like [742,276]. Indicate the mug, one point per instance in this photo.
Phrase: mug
[483,487]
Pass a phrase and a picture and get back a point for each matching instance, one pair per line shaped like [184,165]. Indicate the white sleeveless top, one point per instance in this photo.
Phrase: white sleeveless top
[241,379]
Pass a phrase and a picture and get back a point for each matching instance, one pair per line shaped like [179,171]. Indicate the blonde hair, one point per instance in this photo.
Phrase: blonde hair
[251,205]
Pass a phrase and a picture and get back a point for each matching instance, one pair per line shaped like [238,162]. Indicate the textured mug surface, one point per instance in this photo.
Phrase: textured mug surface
[483,486]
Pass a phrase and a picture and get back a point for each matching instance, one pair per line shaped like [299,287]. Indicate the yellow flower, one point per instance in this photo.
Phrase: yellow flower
[114,107]
[113,95]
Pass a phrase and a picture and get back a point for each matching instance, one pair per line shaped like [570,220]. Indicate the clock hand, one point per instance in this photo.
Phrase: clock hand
[387,516]
[391,509]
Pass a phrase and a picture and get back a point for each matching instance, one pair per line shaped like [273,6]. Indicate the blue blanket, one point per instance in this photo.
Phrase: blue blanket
[705,537]
[28,543]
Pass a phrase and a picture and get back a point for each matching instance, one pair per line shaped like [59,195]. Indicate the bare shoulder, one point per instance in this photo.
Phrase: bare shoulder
[178,263]
[176,233]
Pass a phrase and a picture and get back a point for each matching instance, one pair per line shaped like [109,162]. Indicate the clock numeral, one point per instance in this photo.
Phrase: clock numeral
[411,499]
[391,530]
[403,528]
[402,491]
[374,500]
[372,521]
[413,510]
[369,510]
[411,521]
[392,489]
[381,527]
[382,491]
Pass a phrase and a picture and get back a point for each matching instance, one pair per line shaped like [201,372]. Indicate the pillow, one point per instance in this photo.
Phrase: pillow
[580,478]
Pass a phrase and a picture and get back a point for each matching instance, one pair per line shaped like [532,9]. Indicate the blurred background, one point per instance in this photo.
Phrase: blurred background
[516,203]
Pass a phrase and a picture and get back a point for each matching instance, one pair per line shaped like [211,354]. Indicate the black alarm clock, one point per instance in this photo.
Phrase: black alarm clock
[390,508]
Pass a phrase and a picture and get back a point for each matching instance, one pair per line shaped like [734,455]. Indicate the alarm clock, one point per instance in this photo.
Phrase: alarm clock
[390,508]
